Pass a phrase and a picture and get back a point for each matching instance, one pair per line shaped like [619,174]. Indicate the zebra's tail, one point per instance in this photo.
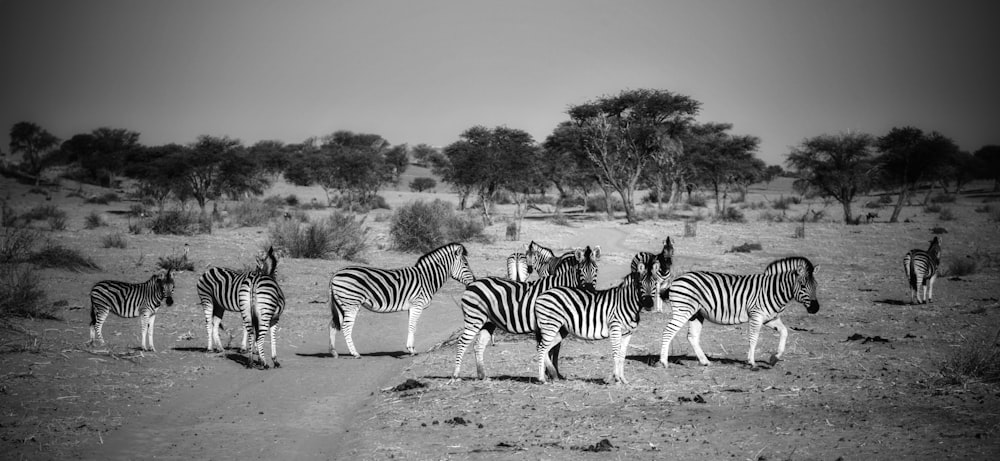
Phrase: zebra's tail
[336,313]
[252,306]
[913,270]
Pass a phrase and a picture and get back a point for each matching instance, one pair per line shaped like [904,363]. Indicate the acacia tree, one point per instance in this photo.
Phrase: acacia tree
[106,160]
[837,166]
[722,160]
[203,163]
[32,141]
[623,133]
[910,157]
[156,169]
[989,156]
[487,161]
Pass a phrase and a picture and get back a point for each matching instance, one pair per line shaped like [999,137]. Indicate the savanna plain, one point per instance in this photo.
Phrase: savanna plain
[870,376]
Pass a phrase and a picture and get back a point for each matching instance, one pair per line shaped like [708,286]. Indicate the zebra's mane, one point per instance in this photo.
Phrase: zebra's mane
[423,260]
[792,261]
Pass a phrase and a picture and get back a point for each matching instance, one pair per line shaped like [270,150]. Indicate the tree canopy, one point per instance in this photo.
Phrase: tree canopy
[837,166]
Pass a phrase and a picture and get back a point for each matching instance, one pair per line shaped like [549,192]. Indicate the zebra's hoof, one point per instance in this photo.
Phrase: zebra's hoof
[773,360]
[357,356]
[276,364]
[334,354]
[660,364]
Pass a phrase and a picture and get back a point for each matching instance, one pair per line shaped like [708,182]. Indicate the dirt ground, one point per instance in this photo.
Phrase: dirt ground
[861,379]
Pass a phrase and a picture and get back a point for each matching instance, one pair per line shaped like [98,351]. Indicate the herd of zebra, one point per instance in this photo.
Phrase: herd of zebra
[561,301]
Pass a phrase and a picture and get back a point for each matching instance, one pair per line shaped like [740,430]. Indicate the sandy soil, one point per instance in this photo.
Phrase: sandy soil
[878,397]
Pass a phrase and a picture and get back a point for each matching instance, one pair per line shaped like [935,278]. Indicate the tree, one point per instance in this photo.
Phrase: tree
[989,156]
[564,162]
[203,163]
[486,161]
[623,133]
[156,169]
[771,172]
[838,166]
[425,155]
[910,157]
[723,160]
[32,141]
[270,156]
[110,149]
[422,184]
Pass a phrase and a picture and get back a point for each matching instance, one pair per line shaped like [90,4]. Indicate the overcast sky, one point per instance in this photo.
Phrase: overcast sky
[424,71]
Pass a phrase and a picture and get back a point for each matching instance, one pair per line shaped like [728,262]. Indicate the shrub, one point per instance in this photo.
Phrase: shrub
[691,228]
[57,223]
[21,294]
[984,209]
[932,208]
[599,204]
[16,243]
[422,184]
[961,267]
[103,199]
[746,248]
[337,236]
[176,263]
[8,217]
[873,205]
[772,216]
[93,220]
[976,360]
[275,201]
[60,257]
[570,201]
[511,232]
[43,212]
[423,226]
[939,230]
[252,213]
[943,198]
[379,203]
[116,240]
[559,219]
[731,214]
[946,215]
[177,222]
[885,199]
[291,200]
[800,231]
[697,200]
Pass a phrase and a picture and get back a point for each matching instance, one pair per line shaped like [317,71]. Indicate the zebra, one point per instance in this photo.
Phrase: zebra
[130,300]
[592,315]
[518,268]
[541,259]
[493,302]
[729,299]
[921,269]
[218,291]
[666,260]
[392,290]
[261,302]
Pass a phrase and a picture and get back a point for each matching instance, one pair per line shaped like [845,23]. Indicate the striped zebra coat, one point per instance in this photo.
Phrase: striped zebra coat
[218,292]
[540,259]
[921,269]
[592,315]
[261,302]
[130,300]
[493,302]
[666,259]
[728,299]
[393,290]
[518,269]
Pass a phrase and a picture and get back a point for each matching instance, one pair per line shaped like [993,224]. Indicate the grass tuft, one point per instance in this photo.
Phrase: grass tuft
[59,257]
[975,360]
[21,294]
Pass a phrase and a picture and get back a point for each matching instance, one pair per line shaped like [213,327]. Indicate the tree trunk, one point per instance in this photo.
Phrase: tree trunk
[930,190]
[905,192]
[848,215]
[607,203]
[626,195]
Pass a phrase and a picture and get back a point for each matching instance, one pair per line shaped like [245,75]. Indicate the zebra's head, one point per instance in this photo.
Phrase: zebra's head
[587,258]
[647,279]
[539,258]
[165,286]
[460,270]
[806,291]
[935,249]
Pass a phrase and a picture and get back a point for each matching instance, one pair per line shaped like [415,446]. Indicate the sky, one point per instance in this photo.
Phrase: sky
[425,71]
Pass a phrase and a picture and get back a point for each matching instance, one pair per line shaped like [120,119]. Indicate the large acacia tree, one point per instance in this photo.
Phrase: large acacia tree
[722,160]
[837,166]
[623,133]
[910,157]
[31,141]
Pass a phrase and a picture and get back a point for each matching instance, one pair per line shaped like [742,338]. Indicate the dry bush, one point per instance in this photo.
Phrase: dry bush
[423,226]
[253,213]
[94,220]
[976,360]
[178,222]
[962,267]
[746,248]
[16,243]
[21,294]
[946,215]
[116,240]
[339,236]
[691,229]
[732,215]
[60,257]
[176,263]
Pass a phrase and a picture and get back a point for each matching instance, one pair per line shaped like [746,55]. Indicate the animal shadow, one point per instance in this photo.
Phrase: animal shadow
[393,354]
[892,302]
[652,359]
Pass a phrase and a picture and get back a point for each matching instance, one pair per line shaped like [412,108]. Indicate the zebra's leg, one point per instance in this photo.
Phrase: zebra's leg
[782,338]
[350,312]
[553,357]
[99,316]
[673,326]
[274,345]
[211,327]
[152,322]
[930,288]
[144,327]
[546,340]
[485,336]
[619,345]
[472,327]
[694,337]
[415,309]
[756,320]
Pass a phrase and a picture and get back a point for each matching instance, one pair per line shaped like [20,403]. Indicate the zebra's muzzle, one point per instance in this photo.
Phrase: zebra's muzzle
[813,307]
[587,286]
[170,300]
[646,302]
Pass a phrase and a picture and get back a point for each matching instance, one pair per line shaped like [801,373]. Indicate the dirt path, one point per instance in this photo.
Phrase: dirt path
[301,411]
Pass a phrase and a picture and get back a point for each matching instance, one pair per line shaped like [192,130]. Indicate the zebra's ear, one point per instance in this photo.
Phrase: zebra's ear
[668,247]
[597,252]
[815,268]
[579,253]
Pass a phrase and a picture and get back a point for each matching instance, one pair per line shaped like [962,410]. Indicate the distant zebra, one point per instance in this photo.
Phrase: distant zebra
[922,270]
[728,299]
[392,290]
[218,291]
[492,302]
[541,259]
[130,300]
[261,302]
[666,259]
[518,269]
[591,315]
